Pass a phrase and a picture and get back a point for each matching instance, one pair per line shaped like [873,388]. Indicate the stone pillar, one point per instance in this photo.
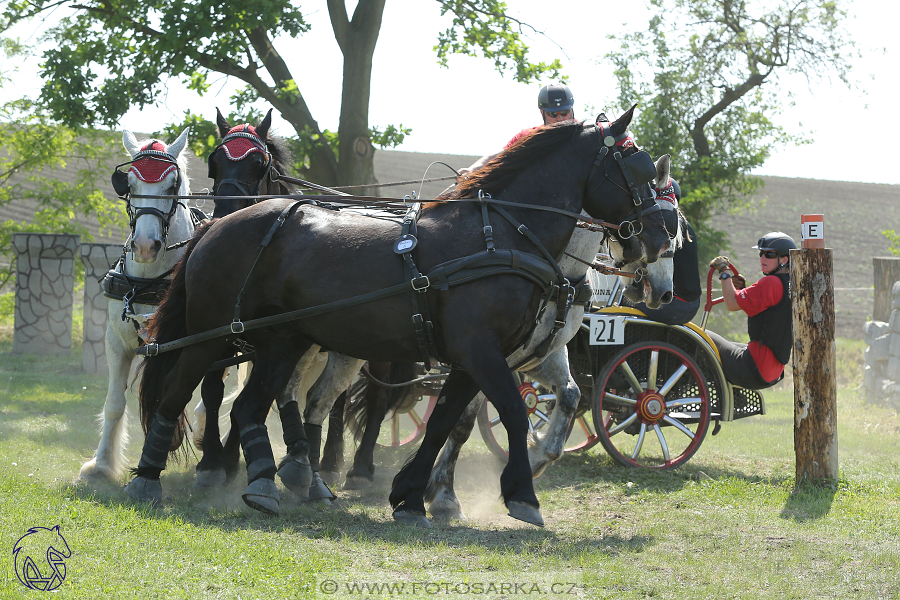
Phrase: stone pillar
[97,259]
[45,283]
[886,270]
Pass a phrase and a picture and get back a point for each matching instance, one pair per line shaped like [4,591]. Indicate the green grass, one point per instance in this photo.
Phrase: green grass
[728,524]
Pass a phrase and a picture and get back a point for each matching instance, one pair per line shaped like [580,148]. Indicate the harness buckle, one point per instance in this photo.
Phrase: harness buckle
[420,283]
[237,327]
[148,350]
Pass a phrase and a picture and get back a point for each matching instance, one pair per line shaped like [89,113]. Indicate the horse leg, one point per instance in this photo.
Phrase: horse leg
[294,469]
[489,369]
[179,386]
[271,373]
[408,489]
[210,470]
[378,404]
[440,495]
[333,453]
[108,461]
[554,373]
[337,377]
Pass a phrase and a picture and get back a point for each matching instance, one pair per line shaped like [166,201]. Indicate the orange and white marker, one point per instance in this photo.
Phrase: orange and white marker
[812,231]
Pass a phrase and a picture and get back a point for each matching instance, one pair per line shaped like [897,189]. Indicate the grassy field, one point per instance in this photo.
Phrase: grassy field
[729,524]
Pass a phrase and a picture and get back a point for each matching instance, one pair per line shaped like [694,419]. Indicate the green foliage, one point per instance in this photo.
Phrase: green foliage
[104,58]
[483,27]
[35,150]
[706,75]
[894,241]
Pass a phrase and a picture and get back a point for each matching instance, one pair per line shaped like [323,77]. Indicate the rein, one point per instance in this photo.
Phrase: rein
[398,204]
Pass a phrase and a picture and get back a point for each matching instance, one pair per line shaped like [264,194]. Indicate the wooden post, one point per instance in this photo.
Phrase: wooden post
[815,389]
[887,272]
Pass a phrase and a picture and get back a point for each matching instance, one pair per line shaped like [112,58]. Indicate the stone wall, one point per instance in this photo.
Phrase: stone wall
[882,370]
[45,282]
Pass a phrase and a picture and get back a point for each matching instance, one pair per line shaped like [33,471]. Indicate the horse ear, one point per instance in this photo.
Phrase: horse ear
[130,142]
[222,124]
[262,130]
[663,168]
[177,147]
[619,126]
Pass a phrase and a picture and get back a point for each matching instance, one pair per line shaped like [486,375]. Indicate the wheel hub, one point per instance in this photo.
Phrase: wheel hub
[651,406]
[529,397]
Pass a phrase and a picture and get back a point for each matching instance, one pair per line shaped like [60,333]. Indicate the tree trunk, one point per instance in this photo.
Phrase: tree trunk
[357,40]
[815,390]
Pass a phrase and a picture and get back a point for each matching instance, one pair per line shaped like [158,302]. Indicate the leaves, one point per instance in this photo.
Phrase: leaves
[708,77]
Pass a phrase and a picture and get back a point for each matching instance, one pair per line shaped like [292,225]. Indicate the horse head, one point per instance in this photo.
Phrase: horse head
[653,285]
[155,169]
[623,170]
[243,163]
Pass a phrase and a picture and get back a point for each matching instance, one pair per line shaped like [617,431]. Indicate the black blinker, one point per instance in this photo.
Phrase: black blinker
[640,166]
[120,182]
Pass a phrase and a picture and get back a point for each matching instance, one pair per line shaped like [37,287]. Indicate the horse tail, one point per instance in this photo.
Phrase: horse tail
[167,324]
[363,399]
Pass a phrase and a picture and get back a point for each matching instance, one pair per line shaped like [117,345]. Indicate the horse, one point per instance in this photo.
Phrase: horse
[552,370]
[244,165]
[249,163]
[479,301]
[154,247]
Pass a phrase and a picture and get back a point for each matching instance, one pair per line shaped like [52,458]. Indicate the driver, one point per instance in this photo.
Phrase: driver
[555,102]
[767,302]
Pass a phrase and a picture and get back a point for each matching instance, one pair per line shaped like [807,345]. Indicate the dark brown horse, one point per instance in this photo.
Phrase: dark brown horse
[318,257]
[244,165]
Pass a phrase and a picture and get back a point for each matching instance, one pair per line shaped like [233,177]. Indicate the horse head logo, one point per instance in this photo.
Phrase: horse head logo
[40,558]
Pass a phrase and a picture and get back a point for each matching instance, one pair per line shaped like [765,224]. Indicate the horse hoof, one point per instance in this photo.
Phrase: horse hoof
[445,515]
[145,490]
[318,490]
[209,479]
[262,495]
[358,483]
[525,512]
[296,475]
[408,517]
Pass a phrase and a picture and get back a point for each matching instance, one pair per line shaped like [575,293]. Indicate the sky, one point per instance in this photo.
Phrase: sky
[470,109]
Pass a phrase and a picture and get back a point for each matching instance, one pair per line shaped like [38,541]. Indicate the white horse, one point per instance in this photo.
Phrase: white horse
[552,369]
[157,224]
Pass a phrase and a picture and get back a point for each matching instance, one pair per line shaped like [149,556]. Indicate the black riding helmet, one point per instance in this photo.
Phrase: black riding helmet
[777,241]
[555,97]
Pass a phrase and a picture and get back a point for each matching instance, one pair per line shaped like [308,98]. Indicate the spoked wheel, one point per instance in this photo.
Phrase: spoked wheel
[651,406]
[539,403]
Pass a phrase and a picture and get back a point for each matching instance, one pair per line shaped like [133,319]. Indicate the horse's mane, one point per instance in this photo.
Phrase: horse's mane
[282,161]
[497,174]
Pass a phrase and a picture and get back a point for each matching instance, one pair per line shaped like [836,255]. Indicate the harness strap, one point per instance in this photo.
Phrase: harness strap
[236,325]
[421,318]
[454,272]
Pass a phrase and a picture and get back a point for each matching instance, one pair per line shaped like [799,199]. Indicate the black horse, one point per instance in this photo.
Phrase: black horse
[245,165]
[285,257]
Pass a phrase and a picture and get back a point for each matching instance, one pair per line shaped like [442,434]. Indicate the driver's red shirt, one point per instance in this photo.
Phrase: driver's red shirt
[754,299]
[525,132]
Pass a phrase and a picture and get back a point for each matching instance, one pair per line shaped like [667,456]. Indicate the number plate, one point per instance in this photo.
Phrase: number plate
[607,330]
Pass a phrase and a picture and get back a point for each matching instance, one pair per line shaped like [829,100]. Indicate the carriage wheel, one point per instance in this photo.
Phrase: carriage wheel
[539,403]
[651,406]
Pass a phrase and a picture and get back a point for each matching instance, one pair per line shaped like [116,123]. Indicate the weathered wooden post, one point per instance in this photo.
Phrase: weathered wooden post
[815,388]
[886,270]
